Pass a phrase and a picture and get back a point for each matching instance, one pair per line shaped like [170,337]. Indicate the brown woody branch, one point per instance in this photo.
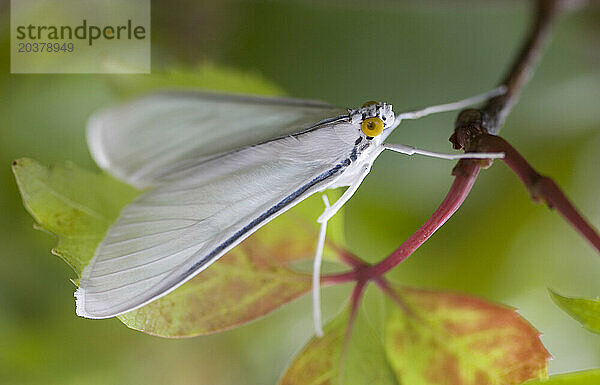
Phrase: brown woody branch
[495,111]
[472,123]
[475,129]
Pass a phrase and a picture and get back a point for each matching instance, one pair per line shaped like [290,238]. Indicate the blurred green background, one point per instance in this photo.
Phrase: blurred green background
[499,245]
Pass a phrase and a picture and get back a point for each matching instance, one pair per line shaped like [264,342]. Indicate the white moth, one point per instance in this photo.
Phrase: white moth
[216,168]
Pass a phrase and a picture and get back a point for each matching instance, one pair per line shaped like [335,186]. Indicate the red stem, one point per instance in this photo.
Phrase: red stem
[540,187]
[354,302]
[467,172]
[347,257]
[463,182]
[387,289]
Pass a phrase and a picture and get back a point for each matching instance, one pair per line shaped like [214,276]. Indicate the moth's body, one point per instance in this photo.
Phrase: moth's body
[216,169]
[184,222]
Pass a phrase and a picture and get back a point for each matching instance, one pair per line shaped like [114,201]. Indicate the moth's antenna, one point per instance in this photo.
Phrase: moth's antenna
[450,106]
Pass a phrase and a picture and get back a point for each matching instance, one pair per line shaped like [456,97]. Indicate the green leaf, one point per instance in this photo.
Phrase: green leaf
[326,361]
[445,339]
[585,377]
[253,279]
[365,360]
[75,205]
[319,361]
[458,339]
[585,311]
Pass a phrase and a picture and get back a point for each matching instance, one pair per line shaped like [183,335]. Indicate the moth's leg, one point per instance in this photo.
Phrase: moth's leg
[409,150]
[451,106]
[328,213]
[334,208]
[316,278]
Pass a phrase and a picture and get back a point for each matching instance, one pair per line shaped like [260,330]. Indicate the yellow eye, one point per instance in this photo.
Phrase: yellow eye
[372,126]
[369,103]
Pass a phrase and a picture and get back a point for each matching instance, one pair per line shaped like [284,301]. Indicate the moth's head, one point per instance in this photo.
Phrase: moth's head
[373,118]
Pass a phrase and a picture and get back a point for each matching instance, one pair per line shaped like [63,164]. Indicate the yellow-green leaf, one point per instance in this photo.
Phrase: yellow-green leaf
[457,339]
[253,279]
[585,377]
[585,311]
[331,360]
[75,205]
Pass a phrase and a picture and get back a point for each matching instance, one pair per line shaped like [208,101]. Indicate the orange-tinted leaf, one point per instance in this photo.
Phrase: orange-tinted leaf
[244,285]
[448,339]
[458,339]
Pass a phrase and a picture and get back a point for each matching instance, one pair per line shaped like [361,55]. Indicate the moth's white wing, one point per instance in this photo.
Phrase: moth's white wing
[174,231]
[142,141]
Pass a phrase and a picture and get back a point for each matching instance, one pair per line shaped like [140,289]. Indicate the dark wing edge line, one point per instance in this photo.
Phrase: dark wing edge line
[239,236]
